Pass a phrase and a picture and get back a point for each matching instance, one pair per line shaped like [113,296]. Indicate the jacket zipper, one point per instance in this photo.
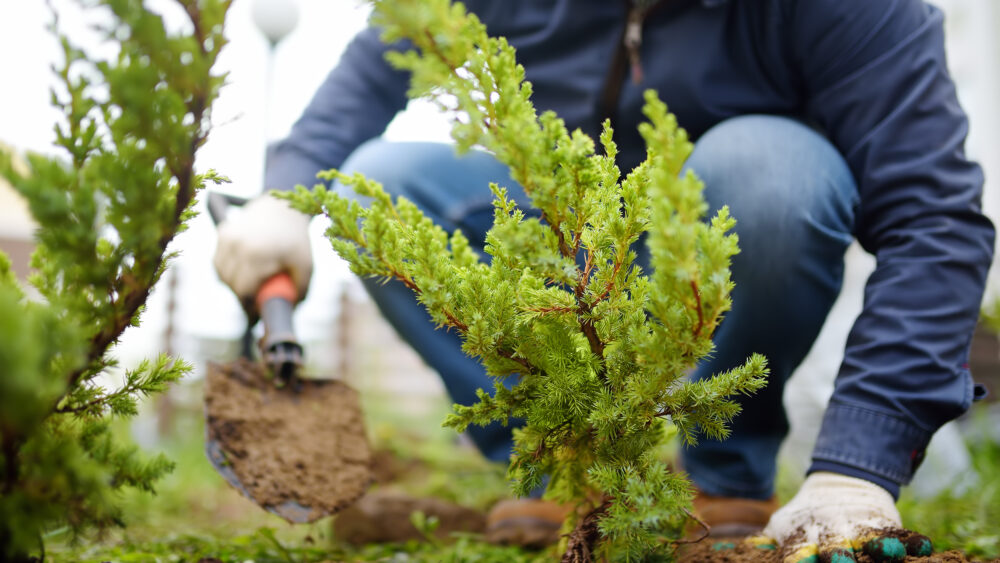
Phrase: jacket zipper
[632,40]
[627,55]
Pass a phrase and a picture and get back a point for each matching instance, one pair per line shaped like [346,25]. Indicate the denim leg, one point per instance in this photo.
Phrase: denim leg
[794,200]
[454,192]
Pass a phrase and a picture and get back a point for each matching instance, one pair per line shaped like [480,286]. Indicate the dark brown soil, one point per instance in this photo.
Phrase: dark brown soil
[302,445]
[387,467]
[384,516]
[735,550]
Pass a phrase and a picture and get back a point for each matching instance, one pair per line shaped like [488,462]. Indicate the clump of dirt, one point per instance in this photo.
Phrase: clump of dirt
[737,550]
[388,467]
[299,451]
[384,516]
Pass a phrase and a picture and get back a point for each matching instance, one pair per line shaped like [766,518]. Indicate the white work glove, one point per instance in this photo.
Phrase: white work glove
[265,238]
[834,516]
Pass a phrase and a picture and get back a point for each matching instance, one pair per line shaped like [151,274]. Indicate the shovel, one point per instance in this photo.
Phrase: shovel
[295,446]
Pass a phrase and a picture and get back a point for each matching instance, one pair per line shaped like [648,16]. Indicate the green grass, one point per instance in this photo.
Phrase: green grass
[969,521]
[195,516]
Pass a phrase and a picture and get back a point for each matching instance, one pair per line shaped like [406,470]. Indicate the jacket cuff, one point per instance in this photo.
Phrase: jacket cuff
[868,444]
[829,466]
[287,168]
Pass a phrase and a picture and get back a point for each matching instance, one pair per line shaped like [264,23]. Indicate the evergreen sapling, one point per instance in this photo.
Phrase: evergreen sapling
[598,349]
[106,213]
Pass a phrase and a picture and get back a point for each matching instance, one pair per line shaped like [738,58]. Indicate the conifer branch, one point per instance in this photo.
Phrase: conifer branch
[492,125]
[615,268]
[584,310]
[529,368]
[85,407]
[542,447]
[593,409]
[133,294]
[406,280]
[106,216]
[705,531]
[665,411]
[522,361]
[590,331]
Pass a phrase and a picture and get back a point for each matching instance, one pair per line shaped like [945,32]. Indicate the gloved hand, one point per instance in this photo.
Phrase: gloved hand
[267,237]
[833,516]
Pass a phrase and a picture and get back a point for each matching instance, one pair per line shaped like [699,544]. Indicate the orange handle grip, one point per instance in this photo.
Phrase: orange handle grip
[279,285]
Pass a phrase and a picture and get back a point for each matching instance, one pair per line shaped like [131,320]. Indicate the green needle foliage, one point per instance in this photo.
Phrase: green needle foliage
[600,349]
[106,213]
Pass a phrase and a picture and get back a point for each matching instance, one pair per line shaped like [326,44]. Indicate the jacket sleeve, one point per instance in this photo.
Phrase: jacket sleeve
[875,79]
[355,103]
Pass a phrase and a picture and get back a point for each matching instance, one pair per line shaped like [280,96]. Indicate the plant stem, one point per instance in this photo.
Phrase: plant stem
[584,536]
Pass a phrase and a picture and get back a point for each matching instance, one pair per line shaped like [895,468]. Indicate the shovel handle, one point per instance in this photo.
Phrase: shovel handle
[281,351]
[279,285]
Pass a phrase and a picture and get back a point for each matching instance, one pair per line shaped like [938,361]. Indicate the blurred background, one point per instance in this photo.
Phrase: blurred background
[192,315]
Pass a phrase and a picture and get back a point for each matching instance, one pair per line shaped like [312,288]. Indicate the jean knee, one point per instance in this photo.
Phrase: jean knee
[394,164]
[781,179]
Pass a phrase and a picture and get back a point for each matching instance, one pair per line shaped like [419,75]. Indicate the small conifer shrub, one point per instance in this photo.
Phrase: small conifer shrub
[600,348]
[106,210]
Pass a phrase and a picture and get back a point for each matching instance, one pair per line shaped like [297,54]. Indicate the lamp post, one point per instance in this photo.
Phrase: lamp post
[275,19]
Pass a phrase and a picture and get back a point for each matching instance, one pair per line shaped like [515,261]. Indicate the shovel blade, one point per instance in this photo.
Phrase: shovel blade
[298,451]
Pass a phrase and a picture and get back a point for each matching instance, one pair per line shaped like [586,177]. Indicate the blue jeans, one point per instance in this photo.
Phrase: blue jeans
[794,200]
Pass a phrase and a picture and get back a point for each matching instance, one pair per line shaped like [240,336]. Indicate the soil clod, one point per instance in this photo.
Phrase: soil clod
[386,516]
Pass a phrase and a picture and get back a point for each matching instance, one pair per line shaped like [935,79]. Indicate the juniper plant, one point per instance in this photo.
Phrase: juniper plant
[106,212]
[600,349]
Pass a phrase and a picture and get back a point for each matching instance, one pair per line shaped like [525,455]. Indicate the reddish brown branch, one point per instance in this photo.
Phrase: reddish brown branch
[577,239]
[588,267]
[524,362]
[583,309]
[697,301]
[541,444]
[590,331]
[563,247]
[584,536]
[409,283]
[453,321]
[611,283]
[666,411]
[705,530]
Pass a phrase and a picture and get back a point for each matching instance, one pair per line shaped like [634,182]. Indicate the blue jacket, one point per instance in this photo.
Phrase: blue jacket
[870,74]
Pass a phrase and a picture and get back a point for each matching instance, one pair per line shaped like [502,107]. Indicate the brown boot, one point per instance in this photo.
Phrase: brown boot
[731,516]
[527,522]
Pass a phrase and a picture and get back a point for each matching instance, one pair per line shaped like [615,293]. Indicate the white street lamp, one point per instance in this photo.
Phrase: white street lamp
[275,18]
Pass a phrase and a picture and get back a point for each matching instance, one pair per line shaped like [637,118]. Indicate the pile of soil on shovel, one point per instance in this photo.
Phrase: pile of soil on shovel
[736,550]
[304,443]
